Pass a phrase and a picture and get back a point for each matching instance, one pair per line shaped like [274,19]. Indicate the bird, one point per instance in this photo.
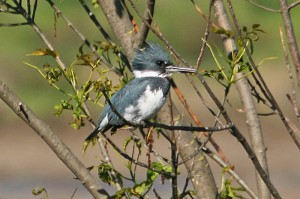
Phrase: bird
[141,98]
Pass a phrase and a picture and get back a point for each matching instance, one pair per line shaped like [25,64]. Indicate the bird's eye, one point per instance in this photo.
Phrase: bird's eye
[161,63]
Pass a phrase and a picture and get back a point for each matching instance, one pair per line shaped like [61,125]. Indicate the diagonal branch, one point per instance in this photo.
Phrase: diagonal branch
[264,85]
[83,38]
[96,22]
[53,141]
[223,164]
[39,32]
[120,23]
[291,37]
[164,126]
[293,5]
[253,122]
[144,29]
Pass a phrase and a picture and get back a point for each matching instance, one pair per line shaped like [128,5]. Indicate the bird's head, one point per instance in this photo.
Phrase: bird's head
[153,61]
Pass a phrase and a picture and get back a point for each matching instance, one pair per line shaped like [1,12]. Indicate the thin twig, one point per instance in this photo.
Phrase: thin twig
[164,126]
[293,98]
[259,168]
[219,161]
[174,149]
[205,37]
[35,27]
[264,85]
[144,29]
[54,142]
[83,38]
[236,133]
[197,151]
[121,24]
[159,35]
[141,164]
[107,37]
[294,4]
[95,21]
[263,7]
[266,101]
[207,18]
[195,119]
[291,37]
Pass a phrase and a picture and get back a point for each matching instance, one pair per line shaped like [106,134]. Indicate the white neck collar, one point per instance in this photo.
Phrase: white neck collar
[149,73]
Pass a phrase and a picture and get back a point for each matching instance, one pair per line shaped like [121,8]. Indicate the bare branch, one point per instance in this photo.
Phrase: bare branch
[254,130]
[190,128]
[35,27]
[205,37]
[54,142]
[158,34]
[263,7]
[148,15]
[194,118]
[262,173]
[164,126]
[263,83]
[292,98]
[96,22]
[230,171]
[293,5]
[253,123]
[119,20]
[141,164]
[198,168]
[291,37]
[82,37]
[13,24]
[239,136]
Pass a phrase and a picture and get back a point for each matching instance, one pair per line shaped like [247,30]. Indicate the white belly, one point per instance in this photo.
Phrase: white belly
[147,106]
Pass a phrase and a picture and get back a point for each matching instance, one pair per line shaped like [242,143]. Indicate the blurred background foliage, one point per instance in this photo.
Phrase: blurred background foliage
[180,23]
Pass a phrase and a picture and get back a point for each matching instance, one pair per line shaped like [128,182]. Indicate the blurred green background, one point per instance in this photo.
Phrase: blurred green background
[26,162]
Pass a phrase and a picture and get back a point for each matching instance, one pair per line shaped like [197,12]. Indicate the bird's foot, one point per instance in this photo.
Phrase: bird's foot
[144,124]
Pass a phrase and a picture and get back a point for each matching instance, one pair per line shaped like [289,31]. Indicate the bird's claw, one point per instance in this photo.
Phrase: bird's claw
[144,124]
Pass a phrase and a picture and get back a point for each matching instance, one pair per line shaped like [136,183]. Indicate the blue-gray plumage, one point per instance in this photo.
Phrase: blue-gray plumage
[142,97]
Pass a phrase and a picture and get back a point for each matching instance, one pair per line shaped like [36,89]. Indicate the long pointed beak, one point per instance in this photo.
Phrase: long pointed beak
[173,69]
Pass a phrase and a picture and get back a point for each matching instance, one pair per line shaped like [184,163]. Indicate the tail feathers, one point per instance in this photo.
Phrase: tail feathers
[92,138]
[93,134]
[96,131]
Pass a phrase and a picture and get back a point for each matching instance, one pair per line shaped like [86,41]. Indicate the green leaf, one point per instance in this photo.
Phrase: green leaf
[87,143]
[105,46]
[78,119]
[52,74]
[83,93]
[38,191]
[95,3]
[126,142]
[152,175]
[64,105]
[137,143]
[223,31]
[43,52]
[139,189]
[104,173]
[104,170]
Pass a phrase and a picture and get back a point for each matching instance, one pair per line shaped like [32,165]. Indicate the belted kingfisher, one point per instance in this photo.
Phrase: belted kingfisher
[144,96]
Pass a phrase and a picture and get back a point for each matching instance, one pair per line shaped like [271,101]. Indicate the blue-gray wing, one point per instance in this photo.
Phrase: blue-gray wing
[128,96]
